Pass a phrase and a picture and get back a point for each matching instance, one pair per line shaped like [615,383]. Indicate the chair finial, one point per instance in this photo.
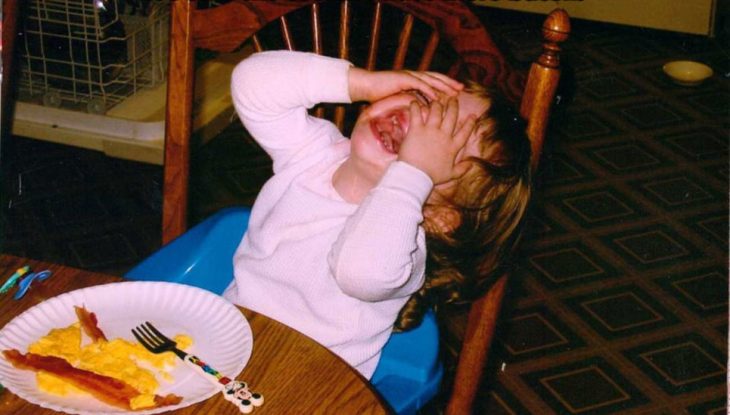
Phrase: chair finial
[555,30]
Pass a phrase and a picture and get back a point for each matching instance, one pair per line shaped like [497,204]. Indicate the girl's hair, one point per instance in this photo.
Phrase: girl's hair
[491,199]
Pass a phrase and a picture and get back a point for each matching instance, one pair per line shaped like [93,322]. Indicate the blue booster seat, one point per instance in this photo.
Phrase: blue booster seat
[409,372]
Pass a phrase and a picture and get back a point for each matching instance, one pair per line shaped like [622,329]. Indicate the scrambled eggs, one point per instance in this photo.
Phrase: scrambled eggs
[117,358]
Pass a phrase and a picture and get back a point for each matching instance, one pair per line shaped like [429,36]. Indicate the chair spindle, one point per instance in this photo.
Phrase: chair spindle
[344,40]
[403,40]
[256,43]
[316,30]
[286,33]
[429,51]
[374,36]
[317,44]
[344,52]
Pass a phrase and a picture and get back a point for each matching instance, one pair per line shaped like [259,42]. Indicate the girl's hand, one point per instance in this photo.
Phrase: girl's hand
[371,86]
[433,142]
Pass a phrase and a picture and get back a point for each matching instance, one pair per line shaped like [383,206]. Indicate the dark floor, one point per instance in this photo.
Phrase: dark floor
[620,302]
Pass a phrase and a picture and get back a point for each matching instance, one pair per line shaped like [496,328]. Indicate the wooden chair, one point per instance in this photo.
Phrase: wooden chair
[449,23]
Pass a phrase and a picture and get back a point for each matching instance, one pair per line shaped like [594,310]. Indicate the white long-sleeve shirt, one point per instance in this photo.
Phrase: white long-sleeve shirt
[335,271]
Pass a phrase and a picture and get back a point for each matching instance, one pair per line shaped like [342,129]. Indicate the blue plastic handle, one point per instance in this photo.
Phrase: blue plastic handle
[25,282]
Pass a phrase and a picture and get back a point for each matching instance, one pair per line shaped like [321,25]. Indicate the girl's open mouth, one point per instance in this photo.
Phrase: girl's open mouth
[390,130]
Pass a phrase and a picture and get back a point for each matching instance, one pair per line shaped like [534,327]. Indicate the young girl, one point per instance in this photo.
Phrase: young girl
[336,243]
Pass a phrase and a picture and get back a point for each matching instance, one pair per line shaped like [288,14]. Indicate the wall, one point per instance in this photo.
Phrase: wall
[689,16]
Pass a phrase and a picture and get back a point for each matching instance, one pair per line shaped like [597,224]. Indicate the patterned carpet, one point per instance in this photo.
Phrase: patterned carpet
[620,302]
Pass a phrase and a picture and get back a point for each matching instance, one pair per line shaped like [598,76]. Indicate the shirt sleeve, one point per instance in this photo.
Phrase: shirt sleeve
[272,91]
[381,252]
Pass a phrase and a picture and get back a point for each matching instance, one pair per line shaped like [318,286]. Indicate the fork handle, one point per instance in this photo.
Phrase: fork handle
[234,391]
[216,377]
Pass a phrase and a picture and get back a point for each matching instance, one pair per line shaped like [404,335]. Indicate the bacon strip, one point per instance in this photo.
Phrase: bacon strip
[89,324]
[104,388]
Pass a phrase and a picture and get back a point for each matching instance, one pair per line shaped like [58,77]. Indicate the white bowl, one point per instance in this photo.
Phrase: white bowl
[687,73]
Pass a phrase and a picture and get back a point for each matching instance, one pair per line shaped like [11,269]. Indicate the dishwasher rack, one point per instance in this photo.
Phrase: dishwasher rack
[92,74]
[91,54]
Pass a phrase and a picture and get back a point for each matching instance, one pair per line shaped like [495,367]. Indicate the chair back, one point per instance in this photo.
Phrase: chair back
[442,36]
[455,42]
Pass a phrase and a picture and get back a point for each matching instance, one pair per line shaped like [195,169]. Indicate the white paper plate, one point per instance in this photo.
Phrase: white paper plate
[221,337]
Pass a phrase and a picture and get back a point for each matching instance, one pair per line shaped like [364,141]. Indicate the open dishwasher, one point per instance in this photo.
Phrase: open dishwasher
[92,74]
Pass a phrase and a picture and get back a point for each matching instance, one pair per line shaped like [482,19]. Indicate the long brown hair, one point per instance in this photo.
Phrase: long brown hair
[491,201]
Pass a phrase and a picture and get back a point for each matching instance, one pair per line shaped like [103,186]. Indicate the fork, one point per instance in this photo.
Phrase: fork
[234,391]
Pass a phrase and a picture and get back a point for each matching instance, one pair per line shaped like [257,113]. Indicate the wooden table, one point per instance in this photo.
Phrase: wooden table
[294,373]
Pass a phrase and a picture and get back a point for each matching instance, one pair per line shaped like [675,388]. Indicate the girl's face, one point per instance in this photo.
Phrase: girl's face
[382,126]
